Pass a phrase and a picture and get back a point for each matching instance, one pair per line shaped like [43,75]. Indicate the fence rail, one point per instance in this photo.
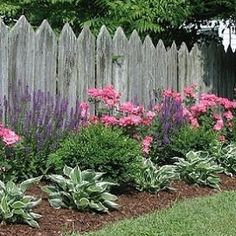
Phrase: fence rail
[69,65]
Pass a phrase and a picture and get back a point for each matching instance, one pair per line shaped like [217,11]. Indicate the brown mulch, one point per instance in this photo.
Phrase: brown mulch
[133,203]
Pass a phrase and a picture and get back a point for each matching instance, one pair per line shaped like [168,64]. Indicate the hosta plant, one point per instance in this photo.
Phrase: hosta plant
[15,205]
[82,190]
[198,168]
[226,157]
[153,178]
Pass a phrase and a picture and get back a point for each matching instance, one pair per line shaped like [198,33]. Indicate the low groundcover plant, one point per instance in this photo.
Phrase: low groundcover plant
[153,178]
[81,190]
[15,205]
[225,156]
[198,168]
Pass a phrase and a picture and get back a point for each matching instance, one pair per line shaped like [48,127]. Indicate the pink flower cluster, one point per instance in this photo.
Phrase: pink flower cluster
[212,105]
[189,92]
[147,141]
[8,136]
[126,114]
[171,93]
[108,95]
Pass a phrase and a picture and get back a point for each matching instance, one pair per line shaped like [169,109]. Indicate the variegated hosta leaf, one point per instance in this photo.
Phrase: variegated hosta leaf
[67,170]
[15,205]
[25,184]
[81,190]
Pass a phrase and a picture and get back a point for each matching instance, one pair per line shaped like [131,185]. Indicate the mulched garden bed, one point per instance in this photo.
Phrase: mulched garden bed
[133,204]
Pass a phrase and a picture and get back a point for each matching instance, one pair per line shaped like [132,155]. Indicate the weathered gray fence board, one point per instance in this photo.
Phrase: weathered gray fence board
[67,65]
[183,57]
[3,61]
[149,71]
[161,68]
[172,69]
[135,69]
[46,59]
[21,55]
[104,58]
[86,63]
[120,63]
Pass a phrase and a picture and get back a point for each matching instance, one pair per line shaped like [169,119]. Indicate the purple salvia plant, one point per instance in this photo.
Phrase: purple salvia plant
[171,118]
[41,119]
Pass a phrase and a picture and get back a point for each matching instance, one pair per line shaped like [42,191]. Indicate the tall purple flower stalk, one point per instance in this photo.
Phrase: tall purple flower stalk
[171,118]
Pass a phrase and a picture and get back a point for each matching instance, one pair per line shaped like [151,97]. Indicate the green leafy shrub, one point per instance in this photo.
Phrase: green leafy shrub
[184,140]
[19,163]
[153,178]
[198,168]
[192,139]
[81,190]
[15,206]
[100,148]
[226,157]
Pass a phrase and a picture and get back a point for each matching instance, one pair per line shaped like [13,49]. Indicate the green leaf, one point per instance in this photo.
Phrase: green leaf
[109,196]
[111,204]
[75,175]
[58,179]
[2,185]
[83,202]
[32,223]
[67,170]
[4,205]
[25,184]
[18,205]
[33,204]
[35,215]
[56,203]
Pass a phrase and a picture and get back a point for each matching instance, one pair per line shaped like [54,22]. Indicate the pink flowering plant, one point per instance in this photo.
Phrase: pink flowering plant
[8,136]
[132,119]
[8,139]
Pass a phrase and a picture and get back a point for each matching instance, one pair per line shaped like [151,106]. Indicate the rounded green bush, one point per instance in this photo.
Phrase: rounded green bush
[100,148]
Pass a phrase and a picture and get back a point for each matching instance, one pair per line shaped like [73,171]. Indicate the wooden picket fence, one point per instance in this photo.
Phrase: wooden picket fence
[68,65]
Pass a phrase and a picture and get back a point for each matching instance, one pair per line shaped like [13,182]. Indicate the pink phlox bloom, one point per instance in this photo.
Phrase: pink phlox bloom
[150,115]
[228,115]
[170,93]
[84,109]
[194,122]
[217,117]
[189,92]
[226,103]
[126,107]
[8,136]
[219,125]
[95,93]
[209,97]
[138,110]
[147,141]
[109,120]
[93,119]
[130,120]
[198,109]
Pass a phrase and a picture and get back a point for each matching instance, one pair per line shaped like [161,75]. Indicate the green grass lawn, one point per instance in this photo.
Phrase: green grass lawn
[208,216]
